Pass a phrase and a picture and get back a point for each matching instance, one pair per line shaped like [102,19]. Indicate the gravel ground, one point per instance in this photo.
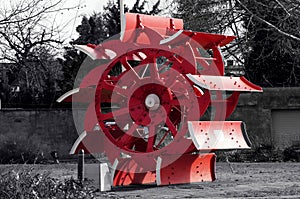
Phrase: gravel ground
[248,180]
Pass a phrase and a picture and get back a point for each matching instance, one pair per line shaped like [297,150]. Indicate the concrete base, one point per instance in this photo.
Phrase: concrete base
[99,174]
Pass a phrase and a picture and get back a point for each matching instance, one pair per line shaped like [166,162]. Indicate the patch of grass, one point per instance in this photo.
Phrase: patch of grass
[292,153]
[260,153]
[16,149]
[24,183]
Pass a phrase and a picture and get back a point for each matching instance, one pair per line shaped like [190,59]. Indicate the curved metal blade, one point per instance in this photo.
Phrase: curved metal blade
[67,95]
[216,135]
[224,83]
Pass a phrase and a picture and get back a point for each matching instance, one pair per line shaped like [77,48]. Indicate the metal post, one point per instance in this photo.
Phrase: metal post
[80,174]
[122,19]
[122,12]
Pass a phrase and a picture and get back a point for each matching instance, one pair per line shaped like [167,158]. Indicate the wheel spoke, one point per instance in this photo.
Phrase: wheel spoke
[171,79]
[128,67]
[162,139]
[132,129]
[203,63]
[151,138]
[178,109]
[180,90]
[144,71]
[154,70]
[151,65]
[201,58]
[128,137]
[163,67]
[171,127]
[180,94]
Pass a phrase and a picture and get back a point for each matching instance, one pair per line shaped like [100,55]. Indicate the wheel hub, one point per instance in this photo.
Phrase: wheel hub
[152,102]
[149,105]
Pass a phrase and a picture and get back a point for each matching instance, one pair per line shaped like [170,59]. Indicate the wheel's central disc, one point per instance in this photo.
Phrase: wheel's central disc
[152,102]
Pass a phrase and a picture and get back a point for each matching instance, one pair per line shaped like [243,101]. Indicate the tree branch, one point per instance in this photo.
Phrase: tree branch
[268,23]
[29,7]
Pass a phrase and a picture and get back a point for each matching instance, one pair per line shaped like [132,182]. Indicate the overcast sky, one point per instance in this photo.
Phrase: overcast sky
[72,18]
[68,20]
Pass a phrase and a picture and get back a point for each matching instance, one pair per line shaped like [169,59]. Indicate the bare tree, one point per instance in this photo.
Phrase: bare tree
[273,40]
[215,16]
[268,35]
[26,24]
[29,38]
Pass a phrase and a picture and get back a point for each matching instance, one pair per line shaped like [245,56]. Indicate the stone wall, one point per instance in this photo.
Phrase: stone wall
[47,129]
[257,111]
[54,129]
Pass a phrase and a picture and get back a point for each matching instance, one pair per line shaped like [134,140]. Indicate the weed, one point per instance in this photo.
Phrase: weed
[25,183]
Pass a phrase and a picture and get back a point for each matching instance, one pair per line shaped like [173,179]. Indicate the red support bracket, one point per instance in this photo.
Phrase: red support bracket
[128,172]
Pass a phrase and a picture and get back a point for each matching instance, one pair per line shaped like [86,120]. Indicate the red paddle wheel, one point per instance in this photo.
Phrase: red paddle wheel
[147,97]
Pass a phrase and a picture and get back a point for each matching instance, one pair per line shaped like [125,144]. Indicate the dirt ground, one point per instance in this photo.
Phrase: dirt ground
[248,180]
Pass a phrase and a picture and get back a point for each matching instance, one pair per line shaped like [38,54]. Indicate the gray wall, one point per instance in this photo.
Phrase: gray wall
[54,129]
[46,129]
[260,111]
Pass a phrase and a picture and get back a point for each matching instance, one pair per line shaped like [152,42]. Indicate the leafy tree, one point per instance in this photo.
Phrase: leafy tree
[139,7]
[112,14]
[91,30]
